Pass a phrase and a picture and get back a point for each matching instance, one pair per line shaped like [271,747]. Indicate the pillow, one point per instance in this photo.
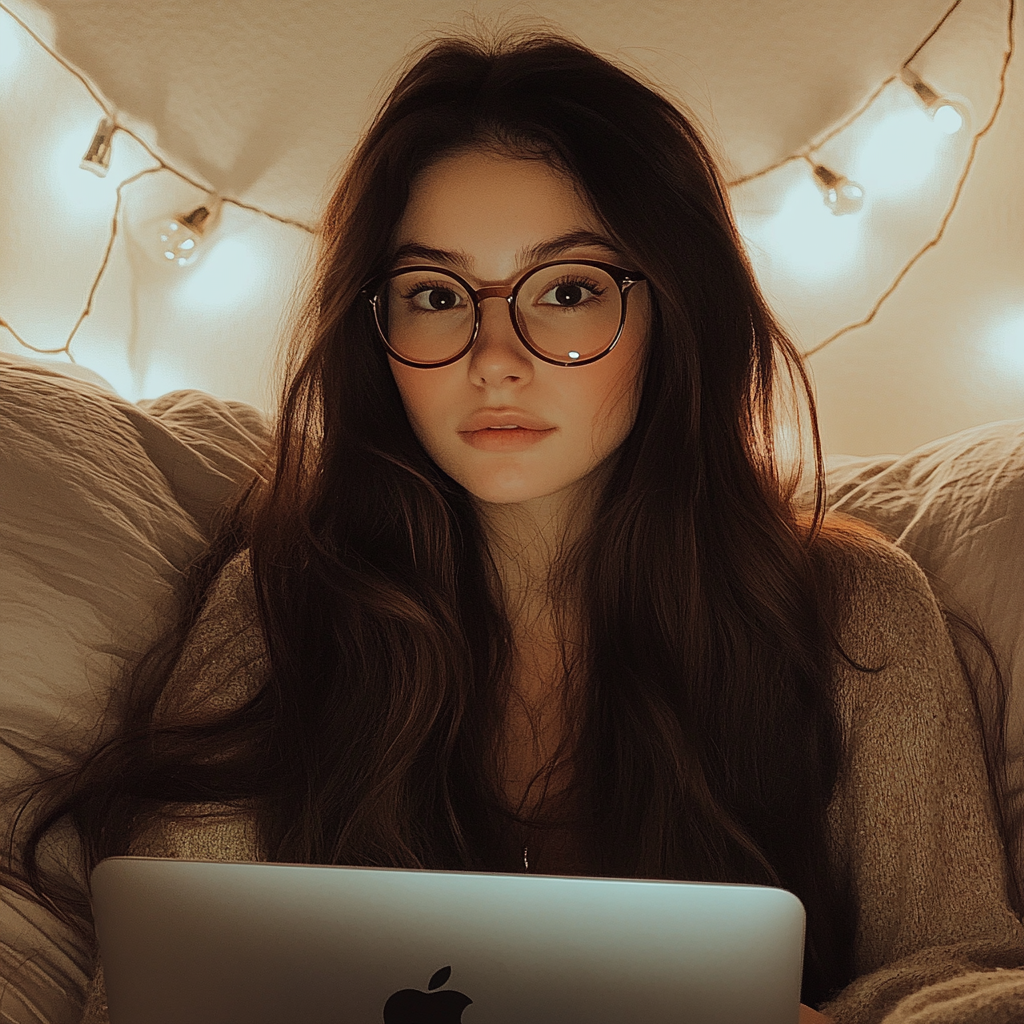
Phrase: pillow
[103,504]
[956,506]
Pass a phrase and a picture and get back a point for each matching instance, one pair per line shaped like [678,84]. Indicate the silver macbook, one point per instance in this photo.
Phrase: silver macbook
[194,942]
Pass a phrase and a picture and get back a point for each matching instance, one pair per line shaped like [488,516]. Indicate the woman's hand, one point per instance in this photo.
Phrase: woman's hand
[809,1016]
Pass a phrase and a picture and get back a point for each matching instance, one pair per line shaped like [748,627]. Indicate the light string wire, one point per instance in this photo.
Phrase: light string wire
[961,181]
[830,133]
[803,154]
[161,165]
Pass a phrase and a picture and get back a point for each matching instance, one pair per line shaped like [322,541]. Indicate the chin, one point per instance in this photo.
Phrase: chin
[503,495]
[511,492]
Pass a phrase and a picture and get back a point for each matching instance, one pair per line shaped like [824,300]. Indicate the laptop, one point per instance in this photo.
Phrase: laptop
[196,942]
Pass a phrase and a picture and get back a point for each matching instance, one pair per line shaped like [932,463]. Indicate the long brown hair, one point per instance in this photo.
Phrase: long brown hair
[706,741]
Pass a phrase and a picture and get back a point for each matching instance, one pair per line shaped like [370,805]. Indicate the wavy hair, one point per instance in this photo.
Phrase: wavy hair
[705,741]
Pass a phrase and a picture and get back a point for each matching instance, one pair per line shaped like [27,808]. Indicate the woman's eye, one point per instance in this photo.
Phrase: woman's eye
[432,298]
[570,293]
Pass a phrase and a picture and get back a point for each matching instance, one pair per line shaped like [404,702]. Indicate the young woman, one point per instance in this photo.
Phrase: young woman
[524,587]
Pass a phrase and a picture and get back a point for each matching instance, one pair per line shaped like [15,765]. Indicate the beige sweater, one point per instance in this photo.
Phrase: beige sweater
[911,818]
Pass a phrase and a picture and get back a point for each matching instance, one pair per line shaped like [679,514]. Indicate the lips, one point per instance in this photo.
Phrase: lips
[492,439]
[503,417]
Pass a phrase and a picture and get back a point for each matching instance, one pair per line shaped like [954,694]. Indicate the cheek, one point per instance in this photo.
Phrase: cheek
[615,398]
[414,389]
[428,401]
[416,397]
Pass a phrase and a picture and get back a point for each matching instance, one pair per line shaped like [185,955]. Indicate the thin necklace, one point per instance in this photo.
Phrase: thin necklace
[526,858]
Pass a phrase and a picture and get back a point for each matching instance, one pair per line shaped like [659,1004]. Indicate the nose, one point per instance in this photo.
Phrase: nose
[497,352]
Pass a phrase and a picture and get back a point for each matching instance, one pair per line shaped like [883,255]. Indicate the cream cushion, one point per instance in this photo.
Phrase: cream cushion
[102,505]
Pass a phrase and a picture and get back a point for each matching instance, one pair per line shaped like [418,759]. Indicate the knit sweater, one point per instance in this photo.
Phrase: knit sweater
[911,818]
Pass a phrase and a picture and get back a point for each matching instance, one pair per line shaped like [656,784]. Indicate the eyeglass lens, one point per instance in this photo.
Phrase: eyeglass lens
[566,312]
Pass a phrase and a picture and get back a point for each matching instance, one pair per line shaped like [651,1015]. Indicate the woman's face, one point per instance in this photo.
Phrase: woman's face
[486,210]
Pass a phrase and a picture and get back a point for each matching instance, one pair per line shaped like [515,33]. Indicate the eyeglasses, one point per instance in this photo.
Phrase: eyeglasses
[569,313]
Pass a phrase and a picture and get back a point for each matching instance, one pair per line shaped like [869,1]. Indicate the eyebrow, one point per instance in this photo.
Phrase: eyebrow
[524,257]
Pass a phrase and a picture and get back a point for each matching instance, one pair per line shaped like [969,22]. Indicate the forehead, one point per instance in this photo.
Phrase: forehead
[490,207]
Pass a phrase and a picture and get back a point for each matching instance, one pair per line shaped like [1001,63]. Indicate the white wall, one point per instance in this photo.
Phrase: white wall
[261,100]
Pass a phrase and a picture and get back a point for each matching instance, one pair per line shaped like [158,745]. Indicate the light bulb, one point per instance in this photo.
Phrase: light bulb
[97,157]
[839,194]
[176,241]
[948,115]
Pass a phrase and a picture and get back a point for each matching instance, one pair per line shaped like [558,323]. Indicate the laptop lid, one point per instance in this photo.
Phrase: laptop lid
[195,942]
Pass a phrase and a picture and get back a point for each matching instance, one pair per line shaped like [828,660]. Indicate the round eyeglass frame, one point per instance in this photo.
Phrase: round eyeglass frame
[625,279]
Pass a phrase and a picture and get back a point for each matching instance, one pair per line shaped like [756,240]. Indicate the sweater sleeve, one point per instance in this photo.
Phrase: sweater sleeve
[913,819]
[223,662]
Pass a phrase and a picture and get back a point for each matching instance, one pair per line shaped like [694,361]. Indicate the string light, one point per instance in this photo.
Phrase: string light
[957,192]
[161,164]
[949,118]
[806,154]
[802,241]
[97,157]
[840,195]
[948,115]
[176,241]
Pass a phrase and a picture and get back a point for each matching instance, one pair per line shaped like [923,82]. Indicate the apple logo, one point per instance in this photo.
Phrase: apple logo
[411,1006]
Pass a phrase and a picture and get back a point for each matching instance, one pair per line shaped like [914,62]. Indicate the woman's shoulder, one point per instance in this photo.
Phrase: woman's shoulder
[224,659]
[881,594]
[860,553]
[889,622]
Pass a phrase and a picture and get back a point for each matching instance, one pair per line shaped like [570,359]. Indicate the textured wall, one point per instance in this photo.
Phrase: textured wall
[263,98]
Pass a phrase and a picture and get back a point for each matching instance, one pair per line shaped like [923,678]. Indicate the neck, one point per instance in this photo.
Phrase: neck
[525,538]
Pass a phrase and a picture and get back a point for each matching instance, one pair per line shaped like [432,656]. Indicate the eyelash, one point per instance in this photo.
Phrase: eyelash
[425,286]
[580,282]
